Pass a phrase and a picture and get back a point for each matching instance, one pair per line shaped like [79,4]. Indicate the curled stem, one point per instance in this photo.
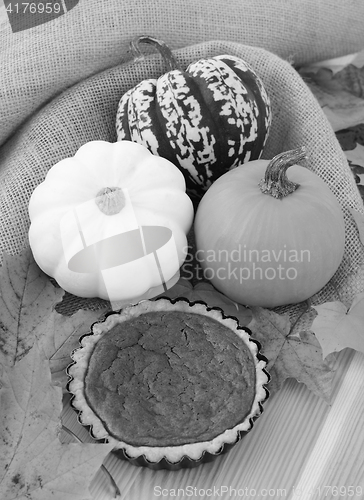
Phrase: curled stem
[169,59]
[275,182]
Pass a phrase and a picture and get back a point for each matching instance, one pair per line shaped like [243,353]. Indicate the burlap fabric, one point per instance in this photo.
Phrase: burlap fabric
[37,64]
[86,111]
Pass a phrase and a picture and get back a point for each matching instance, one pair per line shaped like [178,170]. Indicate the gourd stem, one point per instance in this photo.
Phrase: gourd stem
[110,200]
[163,49]
[276,182]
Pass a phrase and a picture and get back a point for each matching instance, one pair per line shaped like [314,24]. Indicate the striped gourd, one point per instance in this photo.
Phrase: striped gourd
[206,119]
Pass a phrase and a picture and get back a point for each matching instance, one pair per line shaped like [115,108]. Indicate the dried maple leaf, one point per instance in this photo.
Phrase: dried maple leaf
[34,465]
[356,158]
[333,65]
[351,78]
[359,221]
[337,327]
[358,60]
[342,104]
[182,288]
[26,297]
[290,356]
[27,314]
[205,292]
[61,336]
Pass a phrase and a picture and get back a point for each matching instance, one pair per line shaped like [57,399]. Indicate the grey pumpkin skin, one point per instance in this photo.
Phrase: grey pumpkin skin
[206,120]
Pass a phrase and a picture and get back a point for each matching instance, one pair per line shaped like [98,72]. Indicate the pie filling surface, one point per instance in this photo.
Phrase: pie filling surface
[170,378]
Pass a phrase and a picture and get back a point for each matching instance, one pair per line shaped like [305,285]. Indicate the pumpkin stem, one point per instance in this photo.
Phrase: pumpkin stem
[110,200]
[163,49]
[275,181]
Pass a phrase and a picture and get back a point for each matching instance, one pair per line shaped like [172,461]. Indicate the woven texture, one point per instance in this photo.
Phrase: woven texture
[86,111]
[38,63]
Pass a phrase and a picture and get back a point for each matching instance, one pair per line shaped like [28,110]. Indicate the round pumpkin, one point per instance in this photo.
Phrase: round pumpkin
[111,222]
[267,237]
[206,119]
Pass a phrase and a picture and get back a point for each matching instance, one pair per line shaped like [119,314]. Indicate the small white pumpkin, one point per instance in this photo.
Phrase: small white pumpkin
[107,222]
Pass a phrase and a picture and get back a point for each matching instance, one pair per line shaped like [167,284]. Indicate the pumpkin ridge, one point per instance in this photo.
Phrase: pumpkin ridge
[131,116]
[167,145]
[139,118]
[218,120]
[154,115]
[212,122]
[241,109]
[178,124]
[122,121]
[257,93]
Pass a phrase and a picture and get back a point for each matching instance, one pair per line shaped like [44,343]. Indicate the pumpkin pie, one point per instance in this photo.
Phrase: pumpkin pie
[168,382]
